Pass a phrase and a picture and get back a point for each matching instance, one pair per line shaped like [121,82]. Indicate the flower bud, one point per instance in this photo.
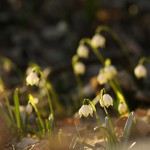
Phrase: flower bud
[98,41]
[122,108]
[83,51]
[107,101]
[86,110]
[79,68]
[140,71]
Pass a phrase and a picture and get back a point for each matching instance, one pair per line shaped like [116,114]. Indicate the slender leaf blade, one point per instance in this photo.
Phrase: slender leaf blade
[127,128]
[17,111]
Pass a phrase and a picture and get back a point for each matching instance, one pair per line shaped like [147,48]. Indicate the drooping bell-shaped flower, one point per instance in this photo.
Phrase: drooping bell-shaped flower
[79,68]
[86,110]
[98,41]
[140,71]
[106,100]
[82,51]
[32,79]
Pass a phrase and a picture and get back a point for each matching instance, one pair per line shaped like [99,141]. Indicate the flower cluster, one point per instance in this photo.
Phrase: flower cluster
[105,101]
[88,109]
[105,74]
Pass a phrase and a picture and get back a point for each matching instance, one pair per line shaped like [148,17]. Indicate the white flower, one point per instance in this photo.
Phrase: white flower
[29,109]
[107,101]
[122,108]
[83,51]
[86,110]
[79,68]
[110,71]
[140,71]
[101,78]
[98,41]
[32,79]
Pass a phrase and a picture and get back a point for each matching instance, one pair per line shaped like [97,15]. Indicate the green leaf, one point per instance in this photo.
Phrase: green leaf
[7,101]
[9,107]
[17,111]
[127,128]
[113,143]
[108,126]
[6,117]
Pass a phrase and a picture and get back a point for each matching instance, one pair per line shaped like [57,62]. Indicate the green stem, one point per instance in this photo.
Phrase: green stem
[36,111]
[118,94]
[115,81]
[97,119]
[41,134]
[47,87]
[80,87]
[117,39]
[50,102]
[9,107]
[144,59]
[95,50]
[74,61]
[109,119]
[54,94]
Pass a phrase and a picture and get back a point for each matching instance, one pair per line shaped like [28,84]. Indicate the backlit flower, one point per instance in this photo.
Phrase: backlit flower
[32,79]
[122,108]
[98,41]
[101,78]
[106,100]
[79,68]
[140,71]
[86,110]
[83,51]
[110,71]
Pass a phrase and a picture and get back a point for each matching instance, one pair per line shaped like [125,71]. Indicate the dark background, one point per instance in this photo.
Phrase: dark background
[47,32]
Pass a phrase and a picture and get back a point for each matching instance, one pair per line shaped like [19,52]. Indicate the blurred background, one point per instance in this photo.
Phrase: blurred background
[48,32]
